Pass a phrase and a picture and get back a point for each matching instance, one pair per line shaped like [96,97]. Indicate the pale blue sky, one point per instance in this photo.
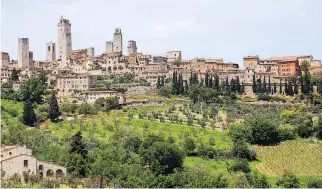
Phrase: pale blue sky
[229,29]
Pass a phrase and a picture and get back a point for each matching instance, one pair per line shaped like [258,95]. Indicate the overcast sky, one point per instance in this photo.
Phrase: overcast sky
[229,29]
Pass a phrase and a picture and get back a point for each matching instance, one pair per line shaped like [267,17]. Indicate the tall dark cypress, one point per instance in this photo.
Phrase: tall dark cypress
[281,86]
[259,86]
[254,83]
[238,86]
[206,79]
[210,82]
[269,84]
[285,87]
[54,112]
[227,84]
[264,85]
[296,87]
[162,81]
[217,82]
[158,82]
[320,87]
[275,88]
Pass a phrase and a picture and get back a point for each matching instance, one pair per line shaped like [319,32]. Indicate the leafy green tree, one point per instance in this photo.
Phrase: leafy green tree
[288,180]
[241,150]
[238,180]
[189,145]
[162,157]
[54,112]
[165,91]
[239,132]
[15,75]
[263,131]
[29,116]
[240,165]
[33,89]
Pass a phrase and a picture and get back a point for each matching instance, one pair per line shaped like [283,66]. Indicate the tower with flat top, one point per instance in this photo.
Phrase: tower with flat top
[64,40]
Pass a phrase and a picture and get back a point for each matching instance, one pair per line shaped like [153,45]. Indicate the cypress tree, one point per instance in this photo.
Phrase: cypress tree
[286,88]
[296,88]
[181,87]
[254,84]
[162,81]
[259,86]
[281,86]
[158,82]
[275,88]
[174,82]
[29,116]
[191,78]
[320,88]
[264,85]
[269,85]
[238,86]
[242,88]
[210,82]
[54,112]
[227,84]
[195,78]
[206,80]
[217,82]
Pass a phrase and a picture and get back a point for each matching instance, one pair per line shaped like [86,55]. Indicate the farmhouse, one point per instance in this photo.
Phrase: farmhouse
[16,159]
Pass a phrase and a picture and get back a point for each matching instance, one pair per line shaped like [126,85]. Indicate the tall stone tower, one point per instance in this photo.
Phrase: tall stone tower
[117,40]
[50,51]
[64,40]
[109,46]
[131,49]
[23,52]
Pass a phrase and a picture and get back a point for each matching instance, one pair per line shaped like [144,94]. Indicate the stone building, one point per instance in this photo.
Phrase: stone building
[131,48]
[23,53]
[92,96]
[17,159]
[173,55]
[50,51]
[90,52]
[64,40]
[67,84]
[5,59]
[117,41]
[250,62]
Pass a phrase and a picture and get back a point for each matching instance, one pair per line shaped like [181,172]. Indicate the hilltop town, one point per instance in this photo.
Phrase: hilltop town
[128,119]
[73,71]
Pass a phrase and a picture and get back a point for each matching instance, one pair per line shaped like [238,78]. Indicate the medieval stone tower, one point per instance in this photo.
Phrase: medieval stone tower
[50,51]
[64,40]
[117,40]
[131,49]
[109,46]
[23,52]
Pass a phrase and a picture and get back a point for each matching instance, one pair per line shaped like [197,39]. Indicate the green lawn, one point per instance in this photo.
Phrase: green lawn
[217,165]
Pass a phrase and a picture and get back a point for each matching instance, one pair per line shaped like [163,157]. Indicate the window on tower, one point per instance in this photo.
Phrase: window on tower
[48,48]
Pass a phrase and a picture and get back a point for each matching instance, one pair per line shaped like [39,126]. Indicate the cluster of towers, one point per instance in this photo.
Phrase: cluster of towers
[117,44]
[64,48]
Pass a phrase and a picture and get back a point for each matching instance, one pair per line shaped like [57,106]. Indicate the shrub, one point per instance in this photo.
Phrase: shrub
[189,145]
[314,183]
[304,126]
[240,165]
[288,180]
[286,132]
[12,112]
[241,150]
[264,97]
[248,98]
[288,115]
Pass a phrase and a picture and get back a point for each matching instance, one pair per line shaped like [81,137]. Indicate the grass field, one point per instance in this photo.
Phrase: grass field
[217,165]
[300,157]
